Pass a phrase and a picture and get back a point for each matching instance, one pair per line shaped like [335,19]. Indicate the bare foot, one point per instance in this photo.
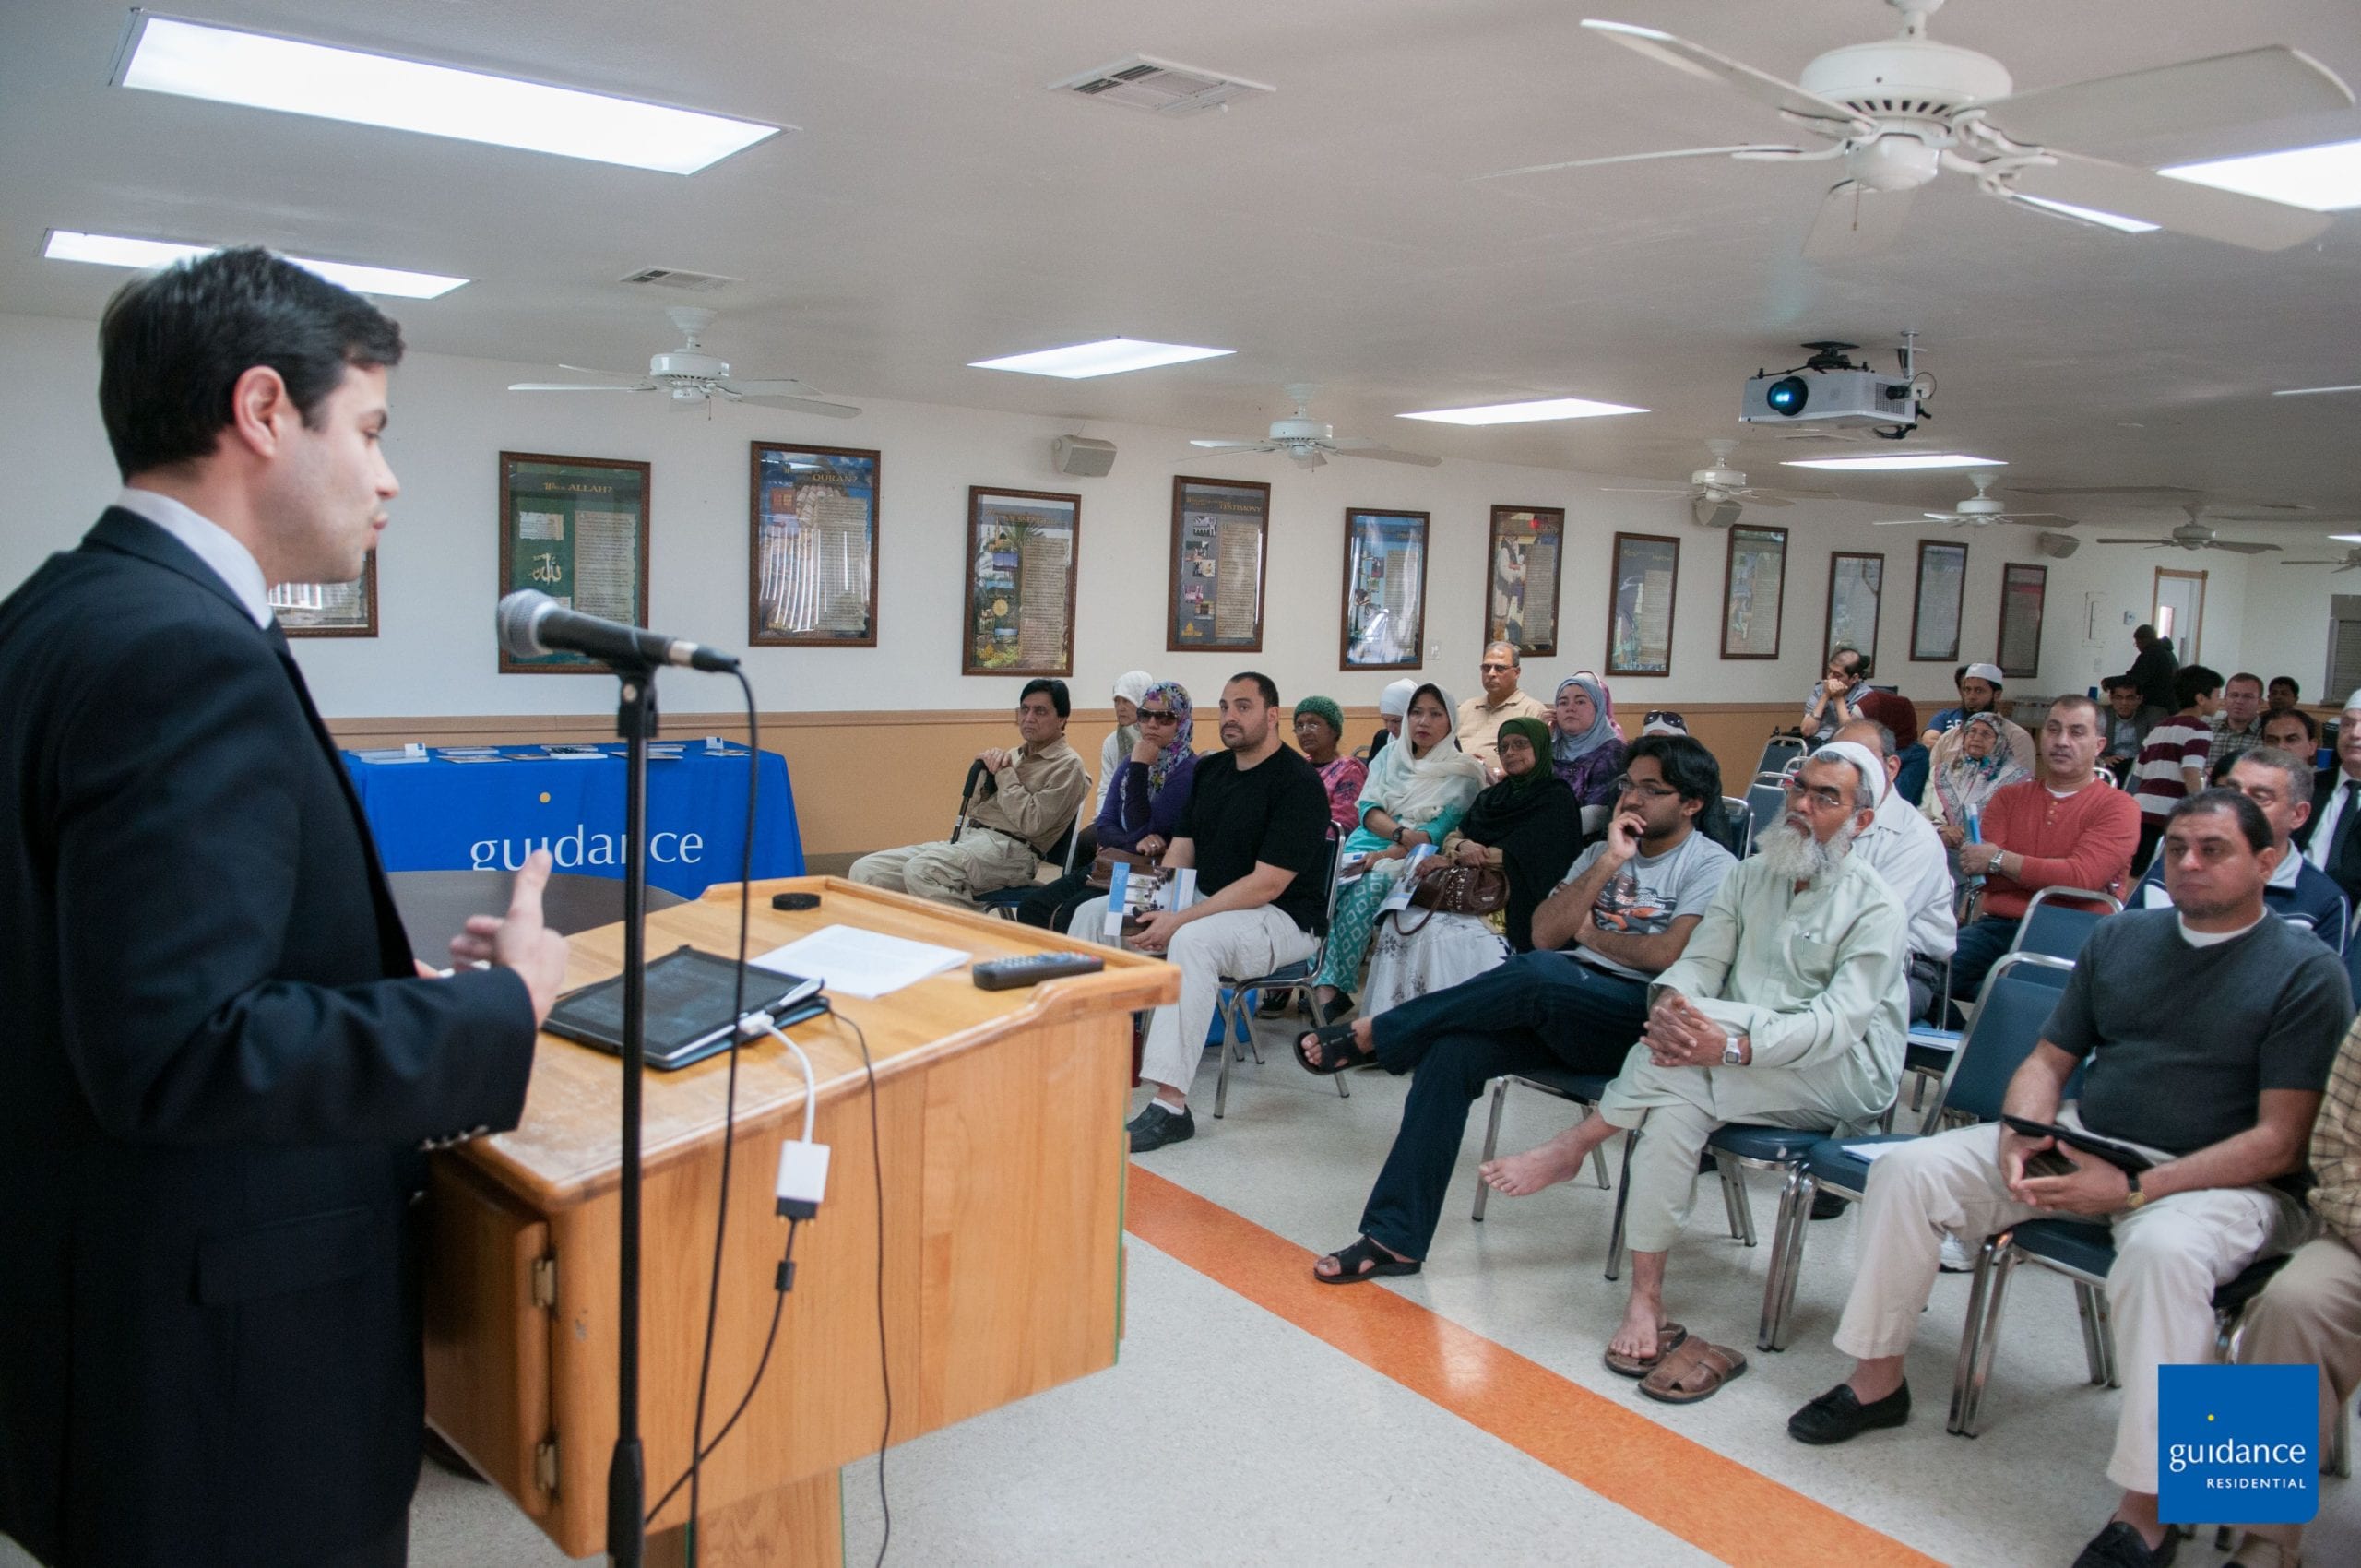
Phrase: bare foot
[1522,1175]
[1636,1336]
[1328,1267]
[1311,1051]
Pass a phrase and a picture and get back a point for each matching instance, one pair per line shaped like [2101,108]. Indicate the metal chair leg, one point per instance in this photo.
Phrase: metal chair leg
[2106,1335]
[2094,1354]
[1622,1196]
[1741,1212]
[1491,1141]
[1597,1155]
[1989,1344]
[1221,1083]
[1786,1243]
[1971,1339]
[2340,1442]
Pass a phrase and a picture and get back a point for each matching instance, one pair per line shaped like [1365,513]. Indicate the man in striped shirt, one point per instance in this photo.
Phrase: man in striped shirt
[2172,763]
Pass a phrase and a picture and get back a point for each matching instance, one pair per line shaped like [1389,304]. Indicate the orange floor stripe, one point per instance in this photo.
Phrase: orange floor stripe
[1708,1499]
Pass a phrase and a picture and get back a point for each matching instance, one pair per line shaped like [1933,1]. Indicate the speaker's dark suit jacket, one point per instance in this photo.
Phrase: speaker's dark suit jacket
[214,1083]
[2344,869]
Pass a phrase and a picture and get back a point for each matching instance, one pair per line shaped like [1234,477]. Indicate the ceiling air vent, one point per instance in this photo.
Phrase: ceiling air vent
[1141,81]
[674,277]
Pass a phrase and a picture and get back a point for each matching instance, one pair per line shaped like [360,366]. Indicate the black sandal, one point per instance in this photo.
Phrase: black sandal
[1338,1050]
[1380,1263]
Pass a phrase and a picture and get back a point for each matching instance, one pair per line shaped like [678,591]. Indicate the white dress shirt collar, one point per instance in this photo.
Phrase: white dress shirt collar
[209,542]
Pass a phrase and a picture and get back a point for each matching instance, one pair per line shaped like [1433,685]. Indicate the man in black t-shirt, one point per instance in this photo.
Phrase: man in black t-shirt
[1256,831]
[2208,1030]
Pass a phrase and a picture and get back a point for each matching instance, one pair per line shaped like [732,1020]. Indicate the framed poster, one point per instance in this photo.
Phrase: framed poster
[1754,589]
[1219,529]
[1521,591]
[1640,604]
[1021,547]
[330,610]
[811,581]
[1385,589]
[1934,612]
[1855,584]
[576,529]
[2021,591]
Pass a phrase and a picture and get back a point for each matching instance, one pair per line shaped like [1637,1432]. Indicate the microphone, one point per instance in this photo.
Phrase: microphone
[532,623]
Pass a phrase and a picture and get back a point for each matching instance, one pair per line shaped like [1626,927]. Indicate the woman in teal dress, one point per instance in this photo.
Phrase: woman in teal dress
[1418,788]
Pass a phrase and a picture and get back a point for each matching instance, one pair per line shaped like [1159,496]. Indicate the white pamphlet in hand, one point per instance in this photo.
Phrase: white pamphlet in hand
[1119,890]
[1185,887]
[1400,897]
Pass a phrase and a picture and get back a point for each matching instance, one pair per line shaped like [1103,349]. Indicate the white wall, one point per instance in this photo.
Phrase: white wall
[452,417]
[2287,614]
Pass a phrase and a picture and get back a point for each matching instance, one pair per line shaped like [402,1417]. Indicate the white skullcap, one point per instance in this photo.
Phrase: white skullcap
[1985,672]
[1872,765]
[1394,701]
[2354,701]
[1664,727]
[1133,687]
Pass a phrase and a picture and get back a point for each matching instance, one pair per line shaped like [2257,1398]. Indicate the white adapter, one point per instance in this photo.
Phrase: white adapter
[803,1178]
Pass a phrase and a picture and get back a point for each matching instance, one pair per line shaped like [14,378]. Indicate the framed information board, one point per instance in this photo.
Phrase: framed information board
[330,610]
[1385,589]
[1753,592]
[1641,592]
[575,528]
[1521,587]
[813,547]
[1220,532]
[1021,547]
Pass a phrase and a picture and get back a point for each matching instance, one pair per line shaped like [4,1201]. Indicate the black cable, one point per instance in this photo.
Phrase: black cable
[697,1449]
[884,1365]
[785,1282]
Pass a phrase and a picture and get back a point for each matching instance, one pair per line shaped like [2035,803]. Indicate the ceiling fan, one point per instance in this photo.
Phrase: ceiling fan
[1714,492]
[1309,444]
[1899,112]
[2351,562]
[691,378]
[1979,510]
[2195,534]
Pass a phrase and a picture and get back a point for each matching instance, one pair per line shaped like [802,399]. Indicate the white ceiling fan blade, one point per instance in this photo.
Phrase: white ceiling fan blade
[1764,498]
[2150,540]
[2192,95]
[1855,220]
[574,386]
[2185,208]
[1696,60]
[1236,446]
[743,392]
[1307,459]
[2039,520]
[1903,523]
[2242,548]
[1753,149]
[2341,566]
[1386,454]
[1640,489]
[617,375]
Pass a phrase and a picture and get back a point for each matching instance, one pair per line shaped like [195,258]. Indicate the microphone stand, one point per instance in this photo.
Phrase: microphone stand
[635,723]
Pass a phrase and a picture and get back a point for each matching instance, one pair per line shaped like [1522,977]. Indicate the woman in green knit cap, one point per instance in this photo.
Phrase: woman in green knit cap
[1318,731]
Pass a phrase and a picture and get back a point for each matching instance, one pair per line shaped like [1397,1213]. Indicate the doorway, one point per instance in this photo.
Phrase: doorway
[2178,613]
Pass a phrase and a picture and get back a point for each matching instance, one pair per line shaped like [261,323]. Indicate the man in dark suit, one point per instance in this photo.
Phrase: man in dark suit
[218,1060]
[2331,839]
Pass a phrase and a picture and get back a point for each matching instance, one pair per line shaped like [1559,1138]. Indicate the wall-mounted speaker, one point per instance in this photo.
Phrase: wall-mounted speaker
[1082,455]
[2057,546]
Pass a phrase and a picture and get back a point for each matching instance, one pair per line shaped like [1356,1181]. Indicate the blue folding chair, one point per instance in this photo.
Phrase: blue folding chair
[2057,928]
[1782,752]
[1581,1090]
[1739,817]
[1233,1013]
[1766,801]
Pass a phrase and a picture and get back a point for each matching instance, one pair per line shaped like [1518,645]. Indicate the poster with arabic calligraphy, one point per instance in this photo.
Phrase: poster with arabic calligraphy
[575,528]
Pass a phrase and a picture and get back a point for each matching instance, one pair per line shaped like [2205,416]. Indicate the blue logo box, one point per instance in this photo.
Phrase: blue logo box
[2237,1445]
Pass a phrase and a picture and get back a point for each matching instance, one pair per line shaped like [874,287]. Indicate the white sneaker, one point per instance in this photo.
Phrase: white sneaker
[1957,1259]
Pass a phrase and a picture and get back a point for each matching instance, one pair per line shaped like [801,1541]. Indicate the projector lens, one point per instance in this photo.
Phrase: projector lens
[1788,395]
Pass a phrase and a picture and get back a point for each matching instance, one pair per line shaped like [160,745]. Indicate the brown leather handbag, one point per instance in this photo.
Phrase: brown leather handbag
[1103,864]
[1456,890]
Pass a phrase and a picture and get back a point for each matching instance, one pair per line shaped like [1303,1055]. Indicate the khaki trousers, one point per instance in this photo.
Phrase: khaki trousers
[1240,943]
[982,862]
[2170,1253]
[2311,1311]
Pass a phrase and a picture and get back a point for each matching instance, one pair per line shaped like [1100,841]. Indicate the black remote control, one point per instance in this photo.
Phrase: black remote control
[1004,974]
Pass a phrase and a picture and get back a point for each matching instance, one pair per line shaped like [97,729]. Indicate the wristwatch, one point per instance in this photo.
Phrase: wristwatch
[1735,1048]
[2135,1197]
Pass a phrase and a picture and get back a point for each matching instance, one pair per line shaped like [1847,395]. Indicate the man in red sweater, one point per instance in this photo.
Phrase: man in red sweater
[2069,828]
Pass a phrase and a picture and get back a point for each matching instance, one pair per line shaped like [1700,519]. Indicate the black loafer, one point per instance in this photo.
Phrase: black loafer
[2119,1546]
[1154,1127]
[1838,1416]
[1828,1206]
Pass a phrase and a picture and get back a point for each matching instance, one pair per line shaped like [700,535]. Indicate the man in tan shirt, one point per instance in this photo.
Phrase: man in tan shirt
[1480,716]
[1026,804]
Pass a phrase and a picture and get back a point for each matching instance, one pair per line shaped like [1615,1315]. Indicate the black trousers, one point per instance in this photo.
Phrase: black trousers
[1536,1010]
[1053,904]
[390,1551]
[1981,944]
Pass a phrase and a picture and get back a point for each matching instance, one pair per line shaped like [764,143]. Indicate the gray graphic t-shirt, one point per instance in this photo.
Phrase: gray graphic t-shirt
[1650,892]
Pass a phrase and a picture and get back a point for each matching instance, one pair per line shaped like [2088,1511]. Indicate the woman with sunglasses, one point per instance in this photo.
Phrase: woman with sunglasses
[1586,747]
[1143,805]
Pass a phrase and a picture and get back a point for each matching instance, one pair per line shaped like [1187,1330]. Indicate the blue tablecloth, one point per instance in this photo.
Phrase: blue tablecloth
[447,816]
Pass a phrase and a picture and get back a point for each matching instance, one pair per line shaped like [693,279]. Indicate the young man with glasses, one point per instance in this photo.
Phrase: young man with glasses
[1480,716]
[1029,797]
[1578,1000]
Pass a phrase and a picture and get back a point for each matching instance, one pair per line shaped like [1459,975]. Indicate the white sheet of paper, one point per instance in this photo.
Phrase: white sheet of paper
[1400,897]
[860,963]
[1119,888]
[1871,1152]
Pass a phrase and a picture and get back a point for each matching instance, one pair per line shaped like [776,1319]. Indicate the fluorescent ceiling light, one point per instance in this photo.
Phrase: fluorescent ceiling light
[115,250]
[1887,465]
[2092,214]
[2325,178]
[1110,356]
[195,60]
[2347,538]
[2313,391]
[1523,413]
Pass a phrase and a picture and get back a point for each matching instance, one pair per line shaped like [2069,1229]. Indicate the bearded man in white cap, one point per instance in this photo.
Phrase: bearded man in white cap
[1787,1008]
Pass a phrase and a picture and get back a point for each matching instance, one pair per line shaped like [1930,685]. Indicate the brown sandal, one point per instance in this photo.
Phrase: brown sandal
[1670,1337]
[1695,1370]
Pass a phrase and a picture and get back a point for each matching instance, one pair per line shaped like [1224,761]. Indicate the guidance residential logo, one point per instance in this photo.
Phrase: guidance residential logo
[2238,1445]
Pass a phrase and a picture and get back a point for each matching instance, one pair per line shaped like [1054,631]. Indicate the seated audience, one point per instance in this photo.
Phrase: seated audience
[1129,689]
[1392,705]
[1586,747]
[2208,1031]
[2282,694]
[2330,840]
[1256,831]
[1830,701]
[1527,827]
[2298,892]
[1579,999]
[1478,721]
[2310,1312]
[1900,715]
[1318,731]
[1026,803]
[1144,808]
[2294,731]
[1978,766]
[2128,722]
[1979,692]
[2069,830]
[1417,789]
[1786,1008]
[2239,726]
[2172,765]
[1902,847]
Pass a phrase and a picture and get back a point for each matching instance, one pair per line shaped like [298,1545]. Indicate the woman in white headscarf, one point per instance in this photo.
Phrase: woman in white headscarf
[1418,788]
[1129,690]
[1392,705]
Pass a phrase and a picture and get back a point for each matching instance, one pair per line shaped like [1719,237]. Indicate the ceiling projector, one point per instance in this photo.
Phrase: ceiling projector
[1830,390]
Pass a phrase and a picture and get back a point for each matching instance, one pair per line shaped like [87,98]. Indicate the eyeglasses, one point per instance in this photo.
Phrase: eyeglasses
[1663,716]
[1155,716]
[1626,785]
[1820,795]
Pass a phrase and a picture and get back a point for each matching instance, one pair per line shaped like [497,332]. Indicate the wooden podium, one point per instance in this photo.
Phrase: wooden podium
[1000,1146]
